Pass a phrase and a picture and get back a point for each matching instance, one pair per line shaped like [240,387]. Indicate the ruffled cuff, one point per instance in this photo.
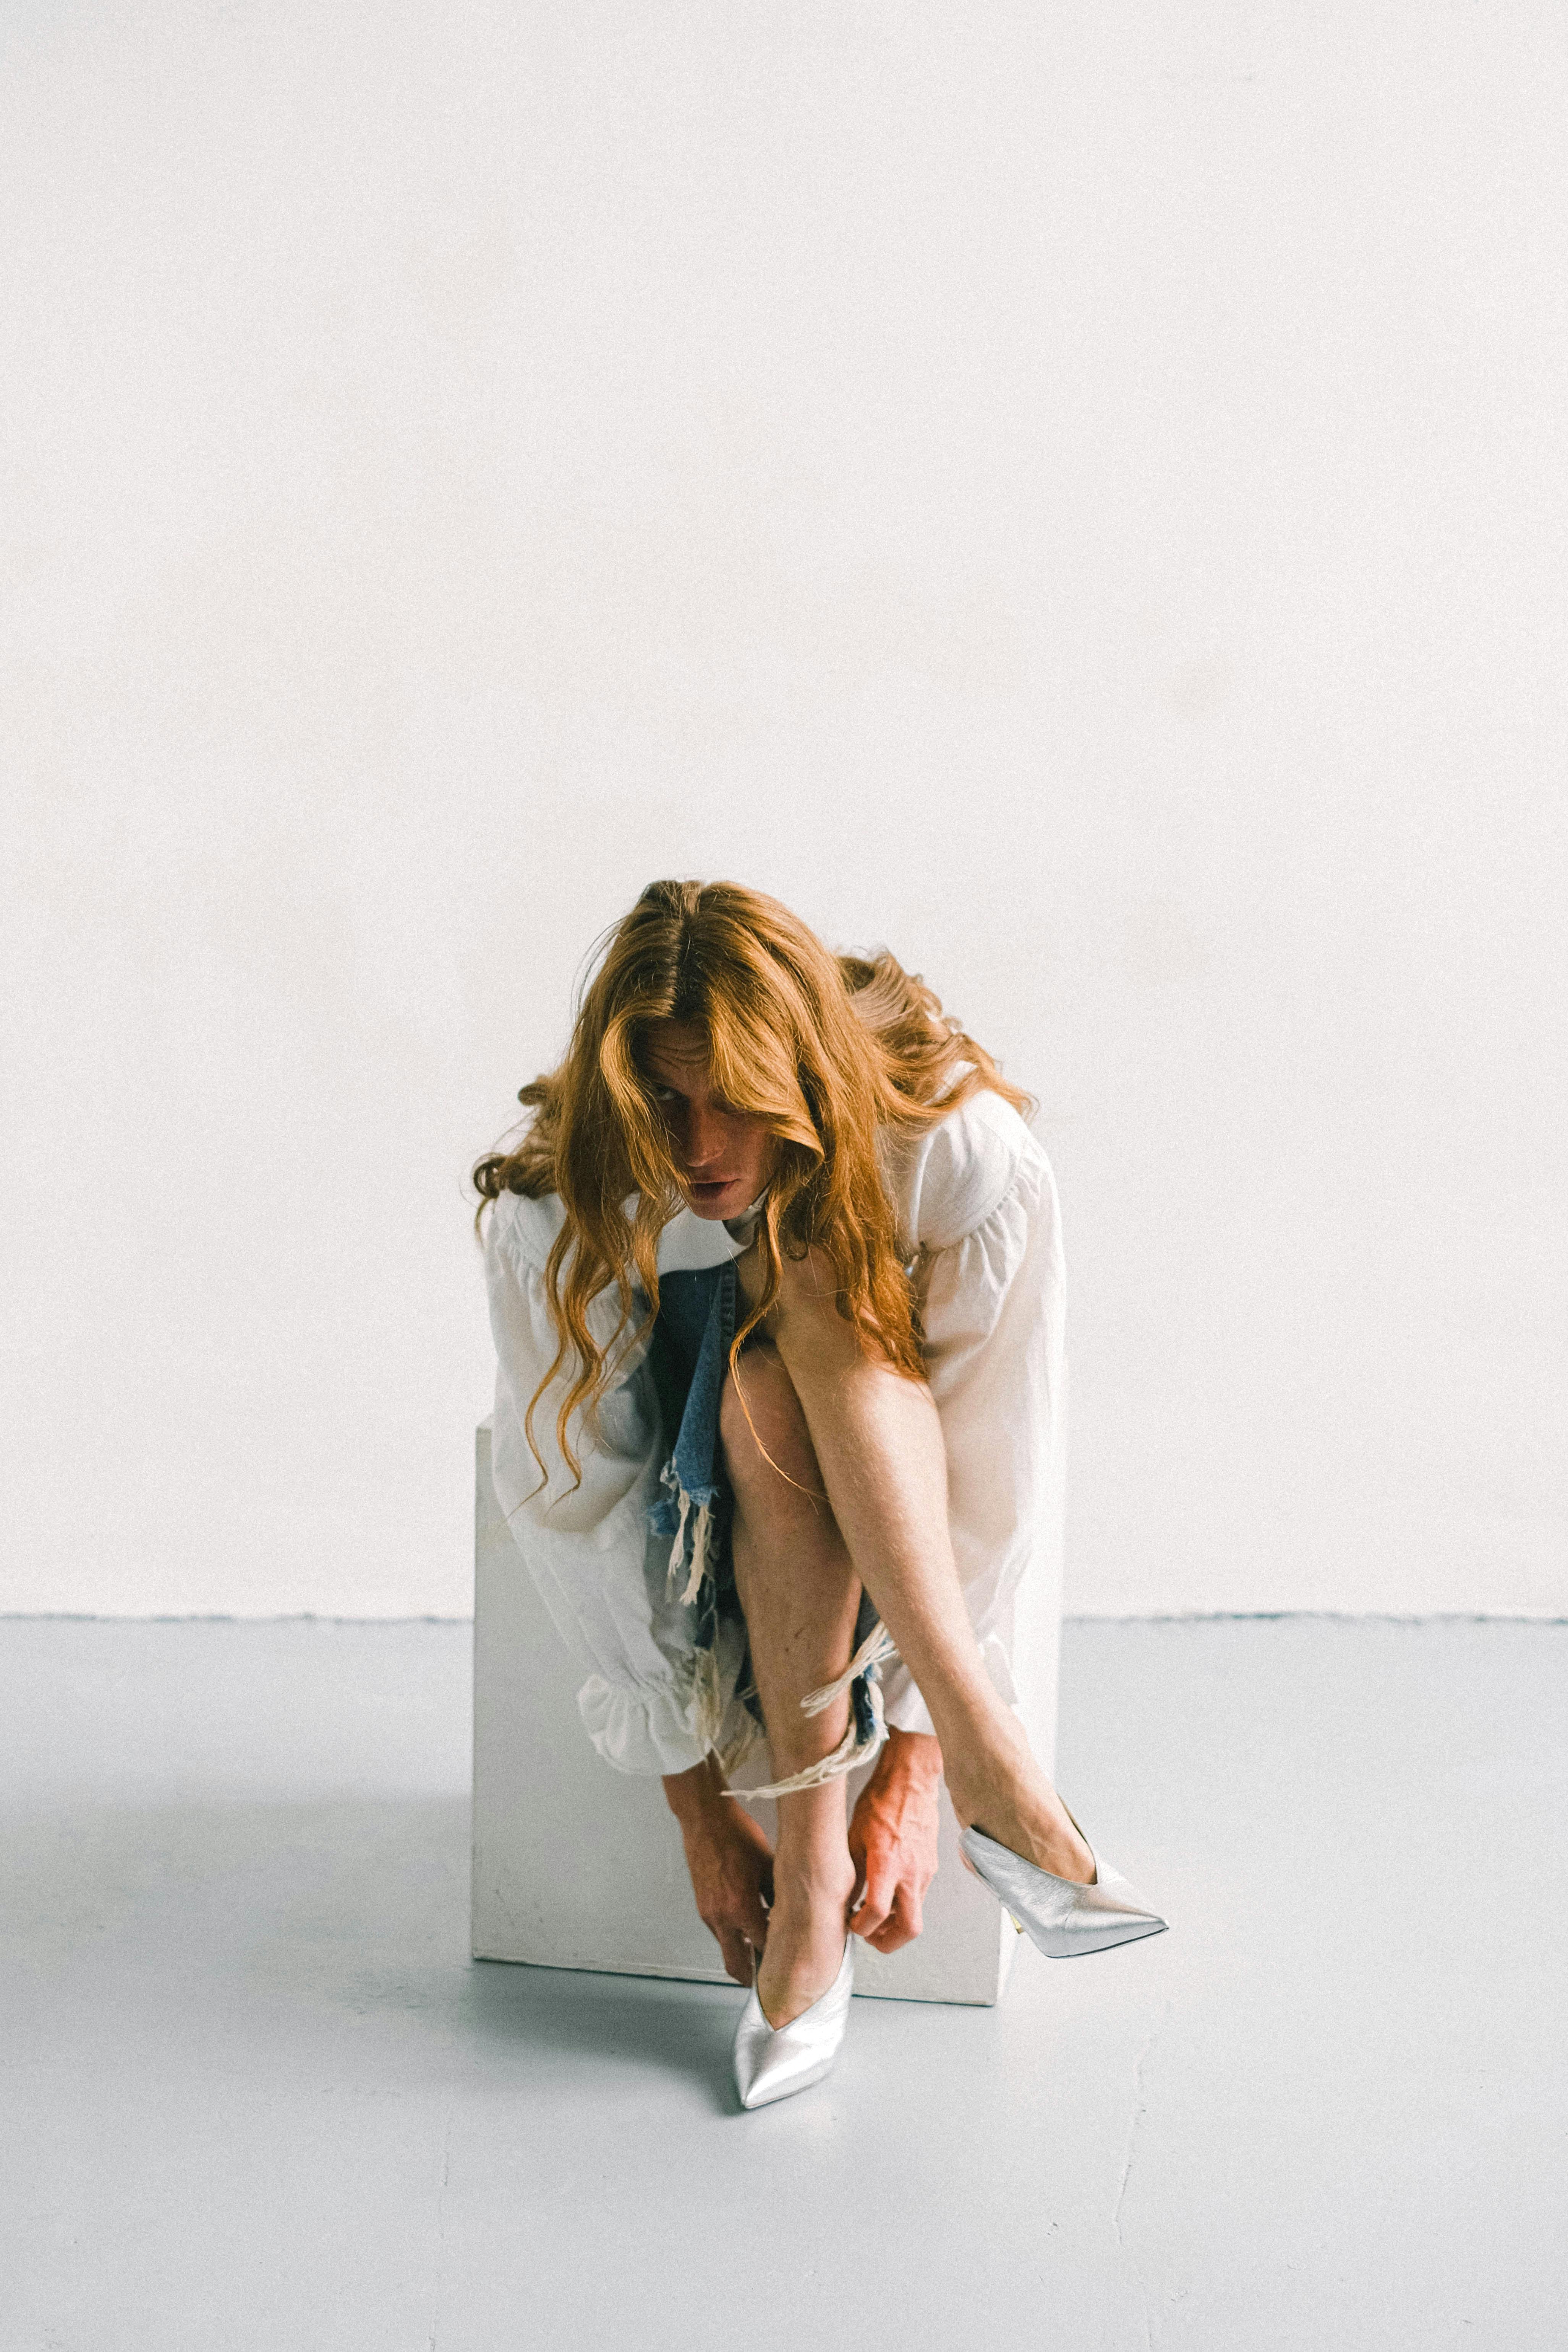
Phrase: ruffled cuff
[646,1729]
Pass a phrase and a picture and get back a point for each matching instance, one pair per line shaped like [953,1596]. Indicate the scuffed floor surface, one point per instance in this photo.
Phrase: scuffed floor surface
[256,2095]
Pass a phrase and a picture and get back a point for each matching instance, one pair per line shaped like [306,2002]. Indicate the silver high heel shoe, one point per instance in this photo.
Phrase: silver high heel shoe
[1063,1919]
[772,2062]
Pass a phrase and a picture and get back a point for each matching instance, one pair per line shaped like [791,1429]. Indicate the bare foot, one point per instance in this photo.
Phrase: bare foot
[807,1928]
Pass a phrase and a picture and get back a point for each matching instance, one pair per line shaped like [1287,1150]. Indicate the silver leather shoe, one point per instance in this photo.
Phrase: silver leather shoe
[1063,1919]
[772,2062]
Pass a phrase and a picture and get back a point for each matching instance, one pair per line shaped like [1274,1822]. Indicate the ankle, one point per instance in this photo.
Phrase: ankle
[811,1870]
[1002,1759]
[812,1848]
[807,1885]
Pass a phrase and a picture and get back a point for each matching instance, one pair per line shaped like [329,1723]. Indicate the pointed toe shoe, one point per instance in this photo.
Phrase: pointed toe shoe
[773,2062]
[1062,1918]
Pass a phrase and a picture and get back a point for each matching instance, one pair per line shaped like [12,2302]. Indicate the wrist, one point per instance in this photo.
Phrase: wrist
[913,1755]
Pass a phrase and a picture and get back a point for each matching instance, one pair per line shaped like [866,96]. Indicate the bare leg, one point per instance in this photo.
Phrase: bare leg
[801,1596]
[878,1440]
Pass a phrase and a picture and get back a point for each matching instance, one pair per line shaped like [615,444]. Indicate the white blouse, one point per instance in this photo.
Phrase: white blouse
[979,1225]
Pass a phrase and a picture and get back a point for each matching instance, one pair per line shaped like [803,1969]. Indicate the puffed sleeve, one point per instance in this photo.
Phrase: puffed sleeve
[990,1286]
[588,1549]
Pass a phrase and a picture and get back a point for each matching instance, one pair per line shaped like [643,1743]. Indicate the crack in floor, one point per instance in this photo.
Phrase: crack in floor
[441,2223]
[1139,2111]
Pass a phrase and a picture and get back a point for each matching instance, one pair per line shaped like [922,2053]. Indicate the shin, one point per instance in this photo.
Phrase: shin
[800,1596]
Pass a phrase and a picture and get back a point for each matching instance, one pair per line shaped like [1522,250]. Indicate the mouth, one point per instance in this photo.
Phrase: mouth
[711,1189]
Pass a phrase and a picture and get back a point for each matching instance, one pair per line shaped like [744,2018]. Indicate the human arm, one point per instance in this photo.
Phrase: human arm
[729,1861]
[893,1840]
[587,1546]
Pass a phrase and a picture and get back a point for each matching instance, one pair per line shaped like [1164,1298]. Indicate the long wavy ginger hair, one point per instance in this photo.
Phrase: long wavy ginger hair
[824,1049]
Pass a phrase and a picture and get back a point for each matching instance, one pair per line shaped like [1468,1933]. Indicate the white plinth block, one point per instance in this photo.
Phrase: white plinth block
[579,1866]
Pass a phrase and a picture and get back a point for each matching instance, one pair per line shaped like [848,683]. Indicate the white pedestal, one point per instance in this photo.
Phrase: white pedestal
[579,1866]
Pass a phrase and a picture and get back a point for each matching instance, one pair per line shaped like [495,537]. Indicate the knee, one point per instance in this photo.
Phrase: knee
[763,1434]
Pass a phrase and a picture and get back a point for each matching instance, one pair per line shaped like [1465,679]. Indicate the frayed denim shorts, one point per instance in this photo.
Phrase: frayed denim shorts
[694,1509]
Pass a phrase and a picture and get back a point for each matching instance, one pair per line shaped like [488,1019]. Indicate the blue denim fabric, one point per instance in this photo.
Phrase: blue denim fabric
[692,1334]
[691,1359]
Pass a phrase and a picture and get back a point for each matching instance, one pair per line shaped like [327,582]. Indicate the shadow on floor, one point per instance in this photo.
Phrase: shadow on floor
[244,1924]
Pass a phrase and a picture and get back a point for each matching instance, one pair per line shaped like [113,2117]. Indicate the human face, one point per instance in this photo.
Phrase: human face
[723,1158]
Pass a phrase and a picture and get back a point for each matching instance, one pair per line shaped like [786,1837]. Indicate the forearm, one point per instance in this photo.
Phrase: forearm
[691,1795]
[894,1837]
[729,1861]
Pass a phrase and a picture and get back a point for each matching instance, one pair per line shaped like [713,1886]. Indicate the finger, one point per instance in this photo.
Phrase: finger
[893,1937]
[733,1938]
[904,1924]
[740,1960]
[870,1913]
[874,1896]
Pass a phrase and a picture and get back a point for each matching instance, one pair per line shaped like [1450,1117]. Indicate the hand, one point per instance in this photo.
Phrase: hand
[731,1863]
[892,1840]
[804,1323]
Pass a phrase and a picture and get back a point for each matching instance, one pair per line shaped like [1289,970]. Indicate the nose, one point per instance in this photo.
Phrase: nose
[704,1138]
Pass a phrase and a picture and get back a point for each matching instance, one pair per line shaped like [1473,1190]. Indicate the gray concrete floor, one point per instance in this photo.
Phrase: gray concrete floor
[257,2095]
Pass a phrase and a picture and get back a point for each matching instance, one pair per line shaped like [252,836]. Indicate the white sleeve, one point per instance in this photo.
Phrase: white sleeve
[992,1312]
[588,1549]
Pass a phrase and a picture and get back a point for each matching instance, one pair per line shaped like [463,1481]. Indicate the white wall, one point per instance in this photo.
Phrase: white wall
[1075,493]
